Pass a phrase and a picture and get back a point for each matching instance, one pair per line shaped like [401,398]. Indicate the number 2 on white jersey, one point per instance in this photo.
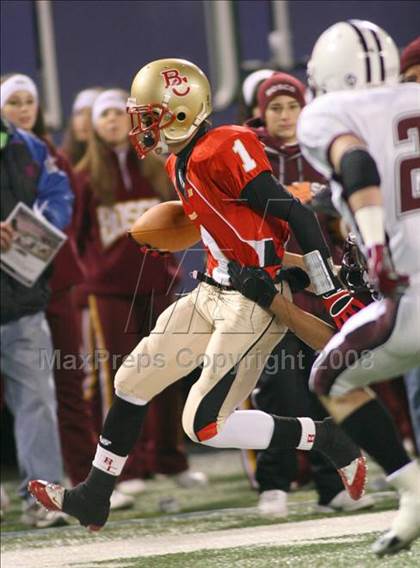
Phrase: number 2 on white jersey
[248,163]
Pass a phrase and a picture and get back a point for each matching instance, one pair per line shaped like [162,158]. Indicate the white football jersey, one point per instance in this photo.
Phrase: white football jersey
[387,119]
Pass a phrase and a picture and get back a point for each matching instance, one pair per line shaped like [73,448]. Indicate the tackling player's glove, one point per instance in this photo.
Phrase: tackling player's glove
[322,200]
[297,278]
[254,283]
[341,305]
[353,271]
[382,273]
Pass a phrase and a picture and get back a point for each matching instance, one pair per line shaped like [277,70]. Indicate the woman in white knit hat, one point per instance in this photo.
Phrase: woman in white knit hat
[80,124]
[27,170]
[248,104]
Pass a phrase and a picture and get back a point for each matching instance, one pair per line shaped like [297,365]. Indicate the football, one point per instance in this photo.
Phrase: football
[165,227]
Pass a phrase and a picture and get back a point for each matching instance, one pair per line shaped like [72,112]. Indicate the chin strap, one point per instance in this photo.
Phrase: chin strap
[162,146]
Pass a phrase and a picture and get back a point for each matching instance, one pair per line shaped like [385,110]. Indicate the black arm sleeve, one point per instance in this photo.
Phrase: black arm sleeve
[266,195]
[358,170]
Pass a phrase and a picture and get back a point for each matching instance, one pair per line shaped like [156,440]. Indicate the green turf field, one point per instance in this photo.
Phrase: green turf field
[227,503]
[337,554]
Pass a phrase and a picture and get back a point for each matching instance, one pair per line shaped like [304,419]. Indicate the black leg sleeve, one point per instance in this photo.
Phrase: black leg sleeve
[122,426]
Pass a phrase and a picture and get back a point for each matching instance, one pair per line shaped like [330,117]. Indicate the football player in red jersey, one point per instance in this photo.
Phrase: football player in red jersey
[224,181]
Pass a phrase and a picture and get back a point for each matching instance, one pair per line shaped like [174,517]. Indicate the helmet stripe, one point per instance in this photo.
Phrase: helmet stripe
[365,47]
[380,53]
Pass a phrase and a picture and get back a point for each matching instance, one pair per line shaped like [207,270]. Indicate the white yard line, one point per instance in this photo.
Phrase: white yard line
[283,534]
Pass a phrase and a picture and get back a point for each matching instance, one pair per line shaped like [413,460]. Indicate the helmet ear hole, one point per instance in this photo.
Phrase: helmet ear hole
[181,116]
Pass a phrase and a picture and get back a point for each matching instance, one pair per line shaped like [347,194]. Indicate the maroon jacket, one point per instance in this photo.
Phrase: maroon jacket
[290,166]
[287,161]
[112,260]
[68,268]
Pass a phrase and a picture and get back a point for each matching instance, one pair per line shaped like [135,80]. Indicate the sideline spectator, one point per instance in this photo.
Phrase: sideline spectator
[410,62]
[28,175]
[248,104]
[79,126]
[75,423]
[75,141]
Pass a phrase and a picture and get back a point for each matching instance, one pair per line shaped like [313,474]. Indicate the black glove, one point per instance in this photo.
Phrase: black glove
[297,278]
[322,202]
[353,271]
[254,283]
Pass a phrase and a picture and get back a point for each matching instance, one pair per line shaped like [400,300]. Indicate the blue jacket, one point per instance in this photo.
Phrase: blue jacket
[54,194]
[29,175]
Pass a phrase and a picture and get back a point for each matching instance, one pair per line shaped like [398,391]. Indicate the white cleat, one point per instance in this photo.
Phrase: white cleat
[132,486]
[406,525]
[344,503]
[189,479]
[120,501]
[273,503]
[35,515]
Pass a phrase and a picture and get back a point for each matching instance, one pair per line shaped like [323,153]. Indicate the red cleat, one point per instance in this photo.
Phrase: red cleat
[50,495]
[354,477]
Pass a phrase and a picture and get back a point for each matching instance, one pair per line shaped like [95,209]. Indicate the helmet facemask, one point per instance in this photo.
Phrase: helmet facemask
[147,125]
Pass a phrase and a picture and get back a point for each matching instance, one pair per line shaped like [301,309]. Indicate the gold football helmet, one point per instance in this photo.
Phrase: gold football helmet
[169,100]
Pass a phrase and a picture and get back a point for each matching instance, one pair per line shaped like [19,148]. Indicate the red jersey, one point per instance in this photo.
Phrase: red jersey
[290,166]
[222,162]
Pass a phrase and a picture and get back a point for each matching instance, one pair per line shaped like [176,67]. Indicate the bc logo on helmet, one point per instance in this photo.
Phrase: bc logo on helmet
[173,79]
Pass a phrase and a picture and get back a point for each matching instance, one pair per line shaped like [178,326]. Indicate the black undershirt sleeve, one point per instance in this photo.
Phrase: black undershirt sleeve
[265,195]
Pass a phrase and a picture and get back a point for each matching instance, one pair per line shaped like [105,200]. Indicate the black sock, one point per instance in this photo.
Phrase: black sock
[373,429]
[120,432]
[334,443]
[89,501]
[324,437]
[321,434]
[99,484]
[287,433]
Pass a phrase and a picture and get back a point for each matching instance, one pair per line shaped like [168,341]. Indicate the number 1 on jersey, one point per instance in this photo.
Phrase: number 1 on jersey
[248,163]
